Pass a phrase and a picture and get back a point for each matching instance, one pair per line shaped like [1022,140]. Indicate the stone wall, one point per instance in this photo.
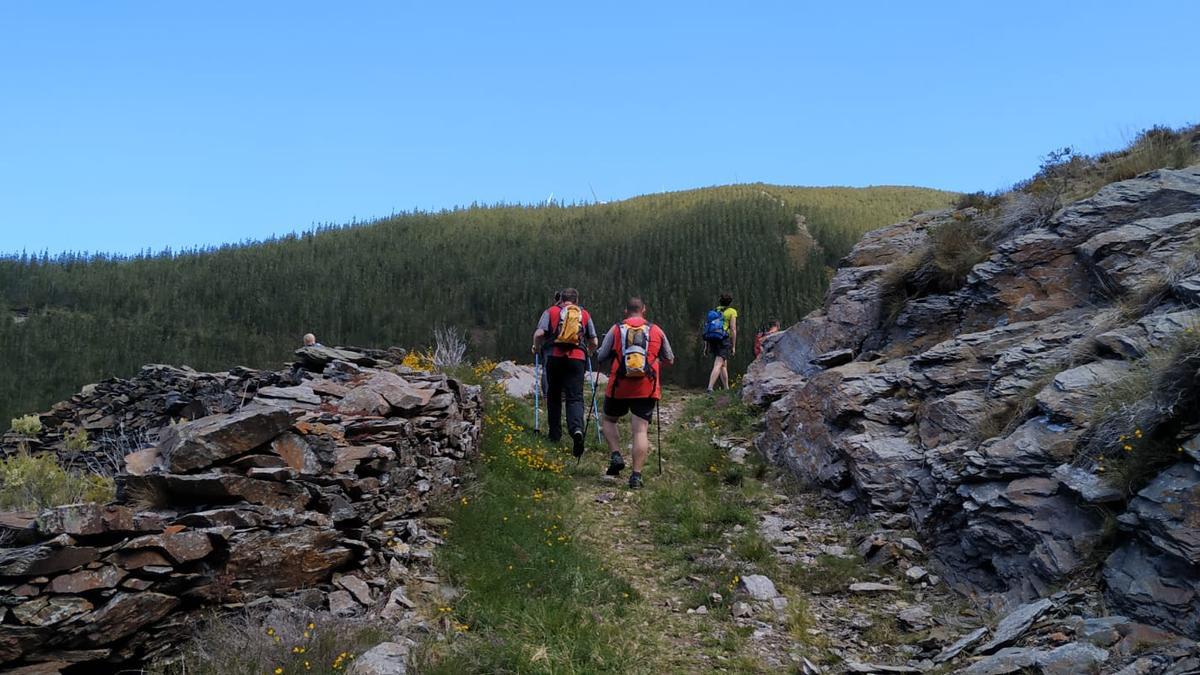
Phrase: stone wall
[234,487]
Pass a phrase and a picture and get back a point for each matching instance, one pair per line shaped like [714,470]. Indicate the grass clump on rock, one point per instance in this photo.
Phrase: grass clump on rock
[1140,421]
[940,266]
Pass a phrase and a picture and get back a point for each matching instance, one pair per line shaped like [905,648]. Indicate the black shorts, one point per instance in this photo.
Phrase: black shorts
[618,407]
[720,348]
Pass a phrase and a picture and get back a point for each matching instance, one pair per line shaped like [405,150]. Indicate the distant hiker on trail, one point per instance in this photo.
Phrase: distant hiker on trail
[720,339]
[566,333]
[310,340]
[637,349]
[771,328]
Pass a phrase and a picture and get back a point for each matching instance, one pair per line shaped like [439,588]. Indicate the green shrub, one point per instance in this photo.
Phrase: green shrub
[77,440]
[984,201]
[36,482]
[29,425]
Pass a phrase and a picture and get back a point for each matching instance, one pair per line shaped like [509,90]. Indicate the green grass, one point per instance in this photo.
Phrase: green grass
[534,599]
[724,412]
[829,574]
[709,504]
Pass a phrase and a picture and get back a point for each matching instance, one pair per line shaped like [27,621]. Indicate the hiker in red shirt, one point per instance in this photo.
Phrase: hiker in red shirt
[566,333]
[771,328]
[637,349]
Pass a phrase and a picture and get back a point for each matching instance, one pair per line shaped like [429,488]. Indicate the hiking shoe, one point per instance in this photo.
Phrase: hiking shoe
[635,480]
[615,465]
[577,438]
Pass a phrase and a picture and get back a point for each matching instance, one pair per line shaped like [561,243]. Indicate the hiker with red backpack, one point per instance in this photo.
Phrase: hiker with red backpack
[638,349]
[565,334]
[771,328]
[720,339]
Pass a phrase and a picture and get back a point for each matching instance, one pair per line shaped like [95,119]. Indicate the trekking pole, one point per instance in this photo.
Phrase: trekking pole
[658,419]
[595,410]
[588,419]
[537,390]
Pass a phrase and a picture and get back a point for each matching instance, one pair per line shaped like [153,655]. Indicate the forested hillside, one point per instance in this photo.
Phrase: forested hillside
[487,270]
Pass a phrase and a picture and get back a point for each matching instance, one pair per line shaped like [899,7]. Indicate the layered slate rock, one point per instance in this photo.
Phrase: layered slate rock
[206,441]
[1156,575]
[970,412]
[273,485]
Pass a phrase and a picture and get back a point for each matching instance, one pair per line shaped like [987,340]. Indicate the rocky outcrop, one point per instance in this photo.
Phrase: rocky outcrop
[970,411]
[519,381]
[304,481]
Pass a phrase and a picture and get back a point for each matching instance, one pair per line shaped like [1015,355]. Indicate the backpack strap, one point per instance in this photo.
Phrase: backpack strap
[649,363]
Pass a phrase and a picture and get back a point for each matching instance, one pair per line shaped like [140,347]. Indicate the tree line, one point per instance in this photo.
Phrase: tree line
[488,270]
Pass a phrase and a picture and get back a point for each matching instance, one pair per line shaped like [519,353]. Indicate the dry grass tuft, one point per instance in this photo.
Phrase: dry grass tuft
[251,643]
[941,266]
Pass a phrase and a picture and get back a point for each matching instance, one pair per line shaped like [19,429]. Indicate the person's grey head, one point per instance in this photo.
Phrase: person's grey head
[635,307]
[570,295]
[309,339]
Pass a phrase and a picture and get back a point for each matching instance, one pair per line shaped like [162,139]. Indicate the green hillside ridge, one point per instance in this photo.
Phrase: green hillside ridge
[488,270]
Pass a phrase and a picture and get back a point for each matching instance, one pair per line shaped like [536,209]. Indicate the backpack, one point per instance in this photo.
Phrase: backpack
[635,357]
[714,325]
[569,331]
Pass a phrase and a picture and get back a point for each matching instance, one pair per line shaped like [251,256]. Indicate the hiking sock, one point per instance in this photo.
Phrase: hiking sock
[635,480]
[615,465]
[577,438]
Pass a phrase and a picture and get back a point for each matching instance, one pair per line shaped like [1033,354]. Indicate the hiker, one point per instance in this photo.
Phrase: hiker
[771,328]
[565,334]
[637,349]
[720,339]
[310,340]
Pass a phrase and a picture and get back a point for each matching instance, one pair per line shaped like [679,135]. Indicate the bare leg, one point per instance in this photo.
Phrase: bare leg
[724,373]
[612,435]
[718,366]
[641,442]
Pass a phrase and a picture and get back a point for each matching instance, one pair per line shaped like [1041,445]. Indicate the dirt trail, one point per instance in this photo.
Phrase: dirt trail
[613,524]
[808,545]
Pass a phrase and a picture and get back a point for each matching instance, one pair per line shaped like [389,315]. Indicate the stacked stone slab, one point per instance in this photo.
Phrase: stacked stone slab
[897,413]
[280,482]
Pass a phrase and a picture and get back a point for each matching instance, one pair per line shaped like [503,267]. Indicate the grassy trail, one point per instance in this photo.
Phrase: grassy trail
[563,570]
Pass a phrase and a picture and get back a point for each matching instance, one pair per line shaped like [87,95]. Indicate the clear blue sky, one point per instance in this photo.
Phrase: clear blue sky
[128,125]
